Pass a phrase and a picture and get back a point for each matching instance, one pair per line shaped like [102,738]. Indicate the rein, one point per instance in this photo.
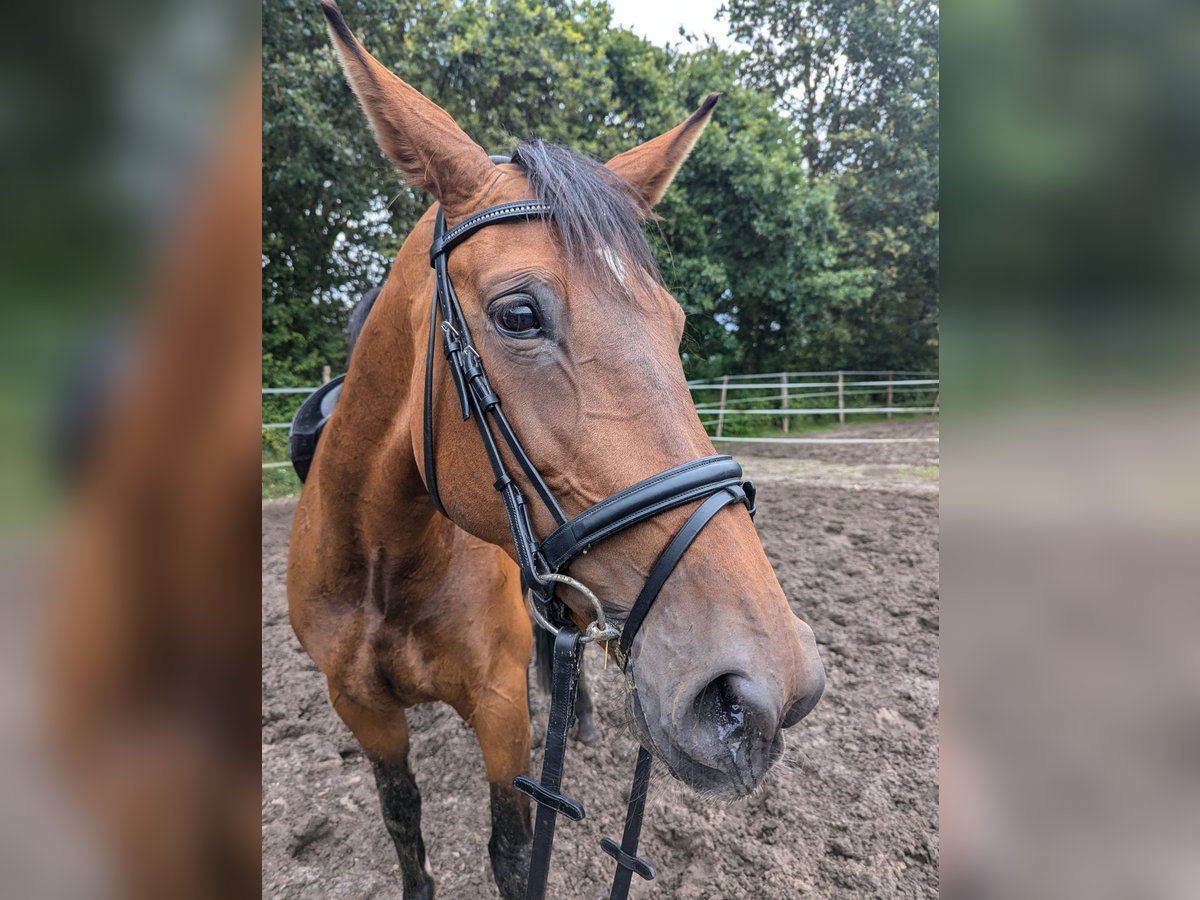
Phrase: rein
[716,480]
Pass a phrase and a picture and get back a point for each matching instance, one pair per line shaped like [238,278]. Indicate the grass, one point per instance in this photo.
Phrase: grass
[927,473]
[280,482]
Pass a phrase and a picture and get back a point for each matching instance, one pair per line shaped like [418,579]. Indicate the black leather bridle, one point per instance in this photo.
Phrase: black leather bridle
[715,480]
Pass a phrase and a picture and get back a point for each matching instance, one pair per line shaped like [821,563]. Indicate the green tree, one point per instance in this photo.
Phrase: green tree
[750,246]
[860,80]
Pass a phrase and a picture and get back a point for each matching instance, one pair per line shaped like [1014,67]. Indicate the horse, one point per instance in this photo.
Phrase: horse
[398,604]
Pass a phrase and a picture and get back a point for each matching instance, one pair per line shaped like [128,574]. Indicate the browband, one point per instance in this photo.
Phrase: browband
[522,210]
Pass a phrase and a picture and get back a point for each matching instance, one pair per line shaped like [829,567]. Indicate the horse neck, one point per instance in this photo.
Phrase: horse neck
[369,474]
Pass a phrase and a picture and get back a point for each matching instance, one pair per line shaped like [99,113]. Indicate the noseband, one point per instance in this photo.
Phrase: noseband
[715,480]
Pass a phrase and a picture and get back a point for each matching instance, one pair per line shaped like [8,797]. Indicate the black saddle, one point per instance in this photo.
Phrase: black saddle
[308,423]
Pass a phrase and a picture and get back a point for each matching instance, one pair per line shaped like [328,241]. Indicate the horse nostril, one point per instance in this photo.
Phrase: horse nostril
[736,708]
[805,704]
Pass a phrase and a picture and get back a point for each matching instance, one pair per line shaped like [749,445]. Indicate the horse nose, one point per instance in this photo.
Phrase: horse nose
[811,693]
[810,677]
[733,710]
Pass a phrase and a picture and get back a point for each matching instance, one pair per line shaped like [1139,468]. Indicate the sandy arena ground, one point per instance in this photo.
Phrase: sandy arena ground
[851,811]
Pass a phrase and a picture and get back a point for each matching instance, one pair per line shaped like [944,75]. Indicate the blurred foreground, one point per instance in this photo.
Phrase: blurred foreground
[1071,433]
[131,356]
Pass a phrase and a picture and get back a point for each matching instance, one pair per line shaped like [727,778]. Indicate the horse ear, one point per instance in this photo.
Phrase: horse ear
[414,132]
[651,166]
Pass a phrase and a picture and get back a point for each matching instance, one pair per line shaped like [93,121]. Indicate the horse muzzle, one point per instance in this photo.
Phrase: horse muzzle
[722,741]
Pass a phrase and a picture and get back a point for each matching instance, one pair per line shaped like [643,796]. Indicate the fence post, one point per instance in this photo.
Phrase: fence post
[889,395]
[783,399]
[721,410]
[326,375]
[841,399]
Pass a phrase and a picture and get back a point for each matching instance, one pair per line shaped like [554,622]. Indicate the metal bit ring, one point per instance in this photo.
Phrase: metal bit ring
[598,630]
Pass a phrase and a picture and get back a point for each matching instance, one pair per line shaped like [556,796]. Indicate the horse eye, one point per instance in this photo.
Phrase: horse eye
[517,320]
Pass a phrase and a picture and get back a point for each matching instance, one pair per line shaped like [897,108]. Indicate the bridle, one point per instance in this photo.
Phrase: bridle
[714,480]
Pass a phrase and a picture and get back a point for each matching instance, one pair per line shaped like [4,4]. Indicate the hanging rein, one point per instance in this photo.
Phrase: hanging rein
[716,480]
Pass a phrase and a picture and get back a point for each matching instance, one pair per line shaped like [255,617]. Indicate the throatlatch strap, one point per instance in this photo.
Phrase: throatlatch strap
[669,558]
[430,459]
[628,862]
[567,651]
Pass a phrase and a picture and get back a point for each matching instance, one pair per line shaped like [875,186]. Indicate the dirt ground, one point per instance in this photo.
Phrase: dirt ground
[851,811]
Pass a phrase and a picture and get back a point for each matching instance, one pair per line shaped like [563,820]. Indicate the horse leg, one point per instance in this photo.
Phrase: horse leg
[384,738]
[501,721]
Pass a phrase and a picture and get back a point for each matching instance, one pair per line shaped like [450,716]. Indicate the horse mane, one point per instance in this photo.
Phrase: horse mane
[358,318]
[596,213]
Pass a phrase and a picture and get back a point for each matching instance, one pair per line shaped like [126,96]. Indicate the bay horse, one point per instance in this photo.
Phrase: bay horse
[398,604]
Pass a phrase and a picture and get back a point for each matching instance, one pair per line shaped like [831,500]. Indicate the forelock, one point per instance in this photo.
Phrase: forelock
[596,214]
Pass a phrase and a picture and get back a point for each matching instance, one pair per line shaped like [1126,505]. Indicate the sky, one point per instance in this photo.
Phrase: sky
[659,20]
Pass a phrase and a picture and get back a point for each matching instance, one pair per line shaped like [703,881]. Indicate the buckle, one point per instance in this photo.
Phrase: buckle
[451,339]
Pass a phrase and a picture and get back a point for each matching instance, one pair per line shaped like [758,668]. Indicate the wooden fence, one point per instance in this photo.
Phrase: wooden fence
[744,405]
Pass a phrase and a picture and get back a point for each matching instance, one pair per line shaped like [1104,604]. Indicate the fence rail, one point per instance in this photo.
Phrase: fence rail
[783,389]
[792,440]
[792,384]
[793,411]
[816,374]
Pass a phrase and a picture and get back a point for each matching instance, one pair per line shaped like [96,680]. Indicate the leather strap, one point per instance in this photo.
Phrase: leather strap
[430,457]
[669,558]
[522,210]
[474,391]
[567,651]
[646,499]
[628,862]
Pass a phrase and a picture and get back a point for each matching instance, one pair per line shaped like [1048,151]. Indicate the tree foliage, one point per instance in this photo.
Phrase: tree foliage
[860,81]
[776,266]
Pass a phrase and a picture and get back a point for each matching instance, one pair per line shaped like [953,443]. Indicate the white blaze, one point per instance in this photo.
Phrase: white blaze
[614,263]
